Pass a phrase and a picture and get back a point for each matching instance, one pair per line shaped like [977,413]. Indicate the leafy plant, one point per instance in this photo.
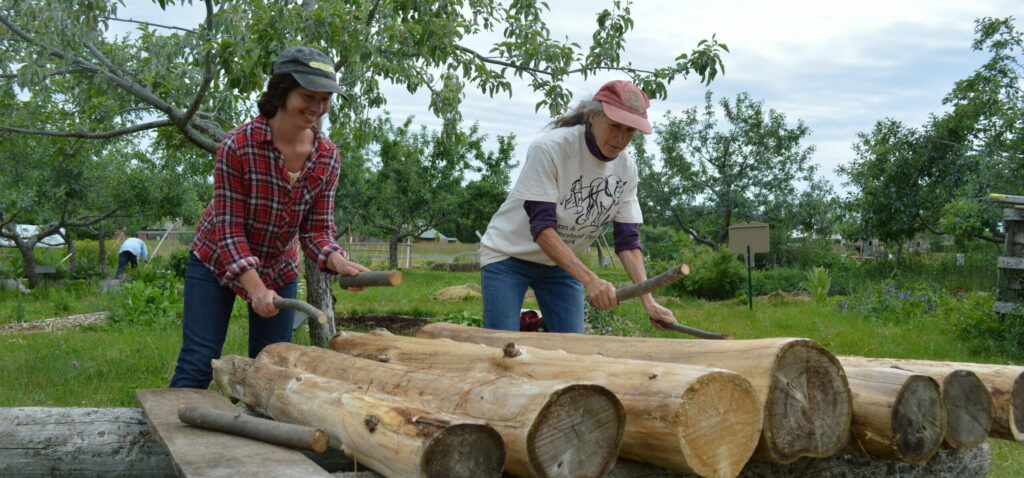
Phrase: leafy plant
[148,303]
[461,318]
[818,283]
[891,303]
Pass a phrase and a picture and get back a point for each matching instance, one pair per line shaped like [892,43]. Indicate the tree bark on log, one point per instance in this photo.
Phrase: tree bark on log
[653,284]
[371,279]
[1005,384]
[897,415]
[551,428]
[116,443]
[270,431]
[688,418]
[320,295]
[965,398]
[803,388]
[394,437]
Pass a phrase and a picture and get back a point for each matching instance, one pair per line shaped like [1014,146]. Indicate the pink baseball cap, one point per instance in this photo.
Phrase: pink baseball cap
[623,102]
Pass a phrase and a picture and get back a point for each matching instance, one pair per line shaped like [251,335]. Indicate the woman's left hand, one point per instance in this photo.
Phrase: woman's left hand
[659,315]
[345,267]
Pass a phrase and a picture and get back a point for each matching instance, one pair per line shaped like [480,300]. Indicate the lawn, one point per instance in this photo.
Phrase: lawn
[102,366]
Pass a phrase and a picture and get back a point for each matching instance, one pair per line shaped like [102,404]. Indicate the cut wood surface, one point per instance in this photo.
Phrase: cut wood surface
[551,428]
[1005,384]
[371,279]
[683,417]
[204,453]
[652,284]
[394,437]
[897,415]
[43,442]
[965,398]
[805,396]
[270,431]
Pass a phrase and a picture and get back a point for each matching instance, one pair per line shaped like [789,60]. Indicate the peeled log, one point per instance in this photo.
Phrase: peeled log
[551,428]
[805,396]
[965,398]
[1005,383]
[682,417]
[897,415]
[393,437]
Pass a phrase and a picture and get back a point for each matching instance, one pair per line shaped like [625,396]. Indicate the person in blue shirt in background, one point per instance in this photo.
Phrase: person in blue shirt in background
[131,251]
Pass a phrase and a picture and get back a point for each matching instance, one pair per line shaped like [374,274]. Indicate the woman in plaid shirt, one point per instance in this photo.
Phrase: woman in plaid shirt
[274,184]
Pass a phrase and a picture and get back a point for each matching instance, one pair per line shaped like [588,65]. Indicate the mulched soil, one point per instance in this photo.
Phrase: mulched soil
[396,324]
[55,324]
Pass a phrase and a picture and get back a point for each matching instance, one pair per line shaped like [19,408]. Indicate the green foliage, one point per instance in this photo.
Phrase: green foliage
[889,303]
[178,262]
[786,279]
[141,303]
[664,244]
[799,252]
[818,283]
[977,324]
[714,276]
[708,175]
[461,318]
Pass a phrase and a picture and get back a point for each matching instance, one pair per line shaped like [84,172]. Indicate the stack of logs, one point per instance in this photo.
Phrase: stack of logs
[467,402]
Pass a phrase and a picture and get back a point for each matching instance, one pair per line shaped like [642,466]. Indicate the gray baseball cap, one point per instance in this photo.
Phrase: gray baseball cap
[310,67]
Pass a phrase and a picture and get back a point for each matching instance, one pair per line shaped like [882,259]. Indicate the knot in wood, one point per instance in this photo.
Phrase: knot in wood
[371,422]
[511,350]
[383,357]
[652,376]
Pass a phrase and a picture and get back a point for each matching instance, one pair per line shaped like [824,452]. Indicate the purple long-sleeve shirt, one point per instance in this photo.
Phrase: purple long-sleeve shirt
[543,215]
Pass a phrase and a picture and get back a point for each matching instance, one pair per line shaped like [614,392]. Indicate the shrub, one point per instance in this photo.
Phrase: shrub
[818,283]
[664,244]
[888,302]
[148,303]
[714,276]
[786,279]
[987,332]
[178,262]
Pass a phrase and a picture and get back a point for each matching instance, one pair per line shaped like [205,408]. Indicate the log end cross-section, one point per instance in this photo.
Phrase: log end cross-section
[571,434]
[454,452]
[807,407]
[719,404]
[968,405]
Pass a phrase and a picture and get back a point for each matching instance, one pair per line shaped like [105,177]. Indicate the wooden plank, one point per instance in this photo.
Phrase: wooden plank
[1010,262]
[1013,214]
[201,453]
[1004,198]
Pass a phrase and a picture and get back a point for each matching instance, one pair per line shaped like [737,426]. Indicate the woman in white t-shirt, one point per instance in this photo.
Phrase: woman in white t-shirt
[577,178]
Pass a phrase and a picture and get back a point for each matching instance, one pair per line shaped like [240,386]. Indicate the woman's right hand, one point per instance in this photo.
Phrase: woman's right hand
[601,293]
[263,302]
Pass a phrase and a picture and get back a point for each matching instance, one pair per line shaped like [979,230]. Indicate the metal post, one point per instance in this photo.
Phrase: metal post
[750,279]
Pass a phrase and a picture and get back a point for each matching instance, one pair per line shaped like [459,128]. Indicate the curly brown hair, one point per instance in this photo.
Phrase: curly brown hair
[278,87]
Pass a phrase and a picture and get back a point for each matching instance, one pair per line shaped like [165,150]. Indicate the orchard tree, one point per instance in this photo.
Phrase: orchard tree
[192,83]
[479,198]
[707,176]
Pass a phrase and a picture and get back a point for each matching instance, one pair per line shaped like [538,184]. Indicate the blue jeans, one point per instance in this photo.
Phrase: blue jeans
[205,325]
[559,295]
[123,259]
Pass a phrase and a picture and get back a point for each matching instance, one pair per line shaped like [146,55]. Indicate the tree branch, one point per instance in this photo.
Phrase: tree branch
[149,24]
[63,71]
[92,134]
[204,85]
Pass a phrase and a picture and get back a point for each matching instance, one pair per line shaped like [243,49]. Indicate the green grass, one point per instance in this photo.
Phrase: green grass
[103,366]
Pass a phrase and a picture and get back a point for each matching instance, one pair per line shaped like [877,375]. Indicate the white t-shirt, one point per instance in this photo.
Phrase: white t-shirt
[588,194]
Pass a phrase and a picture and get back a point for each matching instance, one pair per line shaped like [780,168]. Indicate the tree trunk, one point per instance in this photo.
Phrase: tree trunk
[319,294]
[72,250]
[95,442]
[394,437]
[1004,382]
[393,250]
[897,415]
[543,422]
[102,239]
[965,398]
[27,250]
[806,398]
[688,418]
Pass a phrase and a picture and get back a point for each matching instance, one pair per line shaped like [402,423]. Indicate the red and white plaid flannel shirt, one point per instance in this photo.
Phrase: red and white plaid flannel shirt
[256,218]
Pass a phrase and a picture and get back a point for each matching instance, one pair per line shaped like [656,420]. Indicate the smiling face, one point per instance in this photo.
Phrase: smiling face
[611,137]
[304,108]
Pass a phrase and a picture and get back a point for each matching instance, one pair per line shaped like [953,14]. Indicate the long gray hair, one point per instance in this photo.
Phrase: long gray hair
[577,115]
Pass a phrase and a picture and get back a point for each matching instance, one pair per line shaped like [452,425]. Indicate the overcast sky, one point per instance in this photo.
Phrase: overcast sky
[838,66]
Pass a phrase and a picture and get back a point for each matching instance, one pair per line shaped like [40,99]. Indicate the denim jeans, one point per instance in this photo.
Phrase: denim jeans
[205,325]
[559,295]
[123,259]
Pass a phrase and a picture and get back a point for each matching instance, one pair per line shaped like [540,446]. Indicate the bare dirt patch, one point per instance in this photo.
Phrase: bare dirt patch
[396,324]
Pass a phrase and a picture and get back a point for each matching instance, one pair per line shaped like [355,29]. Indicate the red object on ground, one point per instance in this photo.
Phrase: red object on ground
[530,321]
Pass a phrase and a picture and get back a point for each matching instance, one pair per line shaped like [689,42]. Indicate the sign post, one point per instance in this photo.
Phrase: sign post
[748,239]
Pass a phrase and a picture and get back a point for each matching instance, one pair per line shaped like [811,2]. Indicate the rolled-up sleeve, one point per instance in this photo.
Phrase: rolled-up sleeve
[229,193]
[317,229]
